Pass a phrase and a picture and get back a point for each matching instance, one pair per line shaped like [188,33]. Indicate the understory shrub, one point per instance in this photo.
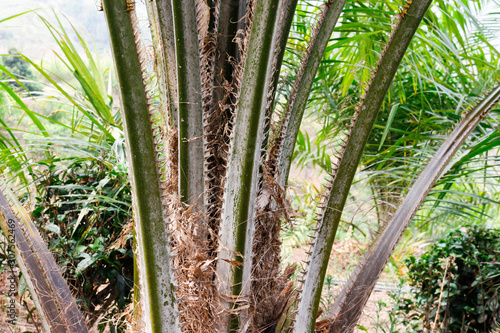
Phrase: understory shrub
[456,282]
[83,211]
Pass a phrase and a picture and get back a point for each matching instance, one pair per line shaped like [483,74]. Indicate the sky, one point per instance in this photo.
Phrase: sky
[28,34]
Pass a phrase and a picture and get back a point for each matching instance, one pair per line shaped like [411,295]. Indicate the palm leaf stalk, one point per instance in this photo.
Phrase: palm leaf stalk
[56,306]
[155,258]
[190,114]
[286,21]
[222,58]
[348,160]
[302,87]
[351,300]
[160,14]
[237,228]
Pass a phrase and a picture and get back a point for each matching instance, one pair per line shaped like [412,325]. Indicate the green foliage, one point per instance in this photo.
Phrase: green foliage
[449,65]
[76,114]
[21,70]
[298,233]
[75,176]
[429,91]
[83,212]
[456,283]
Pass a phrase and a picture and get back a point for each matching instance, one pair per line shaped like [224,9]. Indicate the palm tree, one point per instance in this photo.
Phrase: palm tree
[208,164]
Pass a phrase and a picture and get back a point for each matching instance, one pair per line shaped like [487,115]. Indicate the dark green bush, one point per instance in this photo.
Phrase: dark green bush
[83,212]
[21,69]
[462,272]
